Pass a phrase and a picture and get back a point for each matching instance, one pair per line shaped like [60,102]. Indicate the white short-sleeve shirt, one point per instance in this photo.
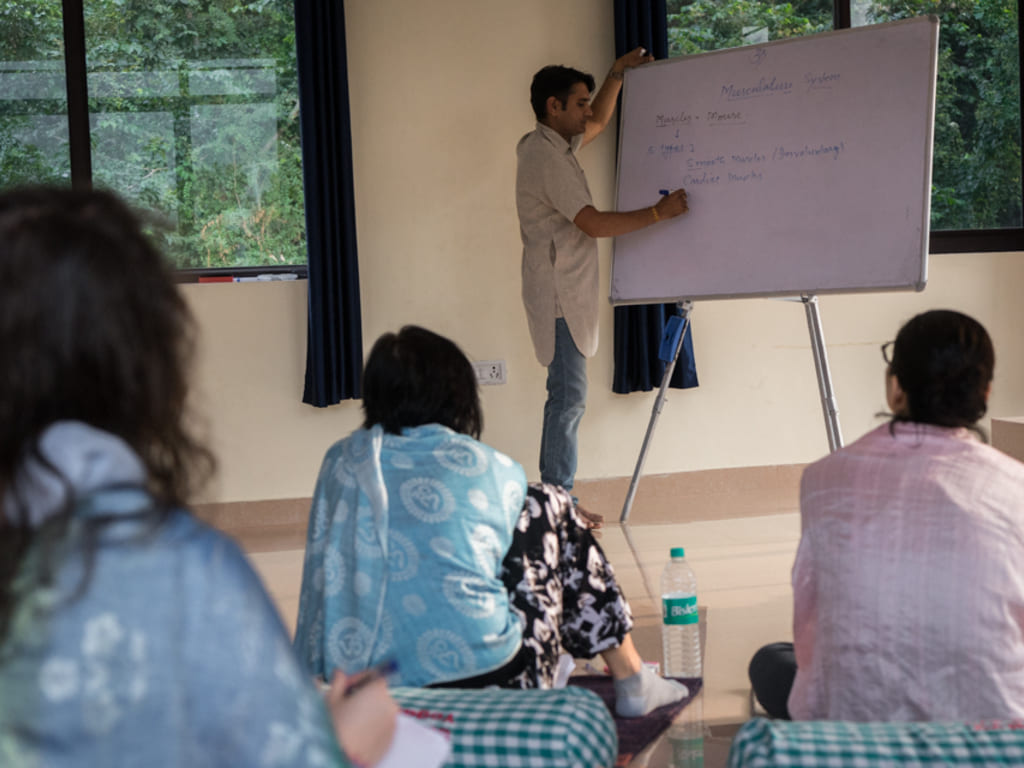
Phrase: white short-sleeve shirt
[560,265]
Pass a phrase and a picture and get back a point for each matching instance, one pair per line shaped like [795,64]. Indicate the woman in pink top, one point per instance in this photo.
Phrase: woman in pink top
[908,583]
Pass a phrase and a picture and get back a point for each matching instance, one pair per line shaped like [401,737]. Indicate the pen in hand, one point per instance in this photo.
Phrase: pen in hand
[376,672]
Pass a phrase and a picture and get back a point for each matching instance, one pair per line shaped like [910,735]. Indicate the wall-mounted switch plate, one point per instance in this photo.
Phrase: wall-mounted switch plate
[490,371]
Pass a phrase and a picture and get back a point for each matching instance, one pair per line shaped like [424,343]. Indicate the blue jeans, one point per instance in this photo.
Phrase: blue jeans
[567,398]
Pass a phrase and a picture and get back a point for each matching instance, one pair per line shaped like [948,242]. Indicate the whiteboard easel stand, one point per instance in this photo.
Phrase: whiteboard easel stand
[670,365]
[828,400]
[829,407]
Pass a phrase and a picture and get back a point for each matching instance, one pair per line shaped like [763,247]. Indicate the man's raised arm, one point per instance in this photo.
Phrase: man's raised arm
[603,104]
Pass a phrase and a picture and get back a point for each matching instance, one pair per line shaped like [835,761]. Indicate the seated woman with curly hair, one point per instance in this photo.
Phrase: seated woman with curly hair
[131,633]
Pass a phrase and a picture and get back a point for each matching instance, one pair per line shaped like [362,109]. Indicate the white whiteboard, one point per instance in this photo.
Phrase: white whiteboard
[807,165]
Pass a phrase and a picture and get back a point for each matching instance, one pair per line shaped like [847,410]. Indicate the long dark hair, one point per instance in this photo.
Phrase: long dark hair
[416,377]
[944,362]
[92,329]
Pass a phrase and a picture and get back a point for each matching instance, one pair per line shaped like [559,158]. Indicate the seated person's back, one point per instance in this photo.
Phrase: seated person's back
[130,633]
[412,567]
[427,545]
[164,642]
[909,584]
[908,587]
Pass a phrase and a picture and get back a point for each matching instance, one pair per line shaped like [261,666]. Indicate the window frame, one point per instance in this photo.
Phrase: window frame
[79,148]
[945,241]
[970,240]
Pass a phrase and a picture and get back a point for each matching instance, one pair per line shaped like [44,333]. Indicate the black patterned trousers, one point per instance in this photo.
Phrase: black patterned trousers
[562,586]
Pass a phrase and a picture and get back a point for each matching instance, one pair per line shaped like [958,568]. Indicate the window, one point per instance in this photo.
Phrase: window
[192,111]
[33,97]
[977,187]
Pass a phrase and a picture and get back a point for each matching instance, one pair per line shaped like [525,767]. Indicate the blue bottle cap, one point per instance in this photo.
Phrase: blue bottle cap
[678,552]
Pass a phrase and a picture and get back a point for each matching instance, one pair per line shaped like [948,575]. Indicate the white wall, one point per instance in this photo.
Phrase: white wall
[439,97]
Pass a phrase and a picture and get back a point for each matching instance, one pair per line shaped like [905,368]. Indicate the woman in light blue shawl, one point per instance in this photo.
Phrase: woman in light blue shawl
[130,633]
[428,546]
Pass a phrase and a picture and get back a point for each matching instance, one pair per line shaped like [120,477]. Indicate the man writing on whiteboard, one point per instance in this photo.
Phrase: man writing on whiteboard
[559,223]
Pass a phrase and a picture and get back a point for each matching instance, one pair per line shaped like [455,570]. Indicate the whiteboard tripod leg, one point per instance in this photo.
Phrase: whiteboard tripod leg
[828,400]
[670,365]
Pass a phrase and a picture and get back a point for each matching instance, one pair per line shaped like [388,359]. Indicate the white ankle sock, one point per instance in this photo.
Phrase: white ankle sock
[643,692]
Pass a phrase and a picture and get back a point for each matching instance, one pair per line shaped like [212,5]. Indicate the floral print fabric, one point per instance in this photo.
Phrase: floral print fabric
[562,586]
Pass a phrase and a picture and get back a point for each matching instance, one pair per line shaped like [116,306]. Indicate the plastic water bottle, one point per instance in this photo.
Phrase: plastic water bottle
[680,632]
[686,735]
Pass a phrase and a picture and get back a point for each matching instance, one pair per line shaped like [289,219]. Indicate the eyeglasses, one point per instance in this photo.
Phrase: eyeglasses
[887,352]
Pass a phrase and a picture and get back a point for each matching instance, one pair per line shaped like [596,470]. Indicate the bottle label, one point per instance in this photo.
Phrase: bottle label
[679,610]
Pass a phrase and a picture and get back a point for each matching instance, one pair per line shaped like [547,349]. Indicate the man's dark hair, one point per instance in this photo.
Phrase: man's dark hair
[417,377]
[557,81]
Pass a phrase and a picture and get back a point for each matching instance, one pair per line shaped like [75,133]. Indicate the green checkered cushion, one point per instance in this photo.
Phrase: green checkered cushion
[760,743]
[568,727]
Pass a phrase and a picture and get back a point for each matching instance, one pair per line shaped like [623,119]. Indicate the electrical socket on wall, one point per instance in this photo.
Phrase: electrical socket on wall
[490,371]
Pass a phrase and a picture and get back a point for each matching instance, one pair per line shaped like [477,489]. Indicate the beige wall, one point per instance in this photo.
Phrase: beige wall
[439,97]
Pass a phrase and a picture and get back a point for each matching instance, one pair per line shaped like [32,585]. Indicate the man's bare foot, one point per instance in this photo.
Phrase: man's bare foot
[592,520]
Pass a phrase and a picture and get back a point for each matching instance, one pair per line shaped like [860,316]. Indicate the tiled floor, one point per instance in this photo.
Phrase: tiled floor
[742,567]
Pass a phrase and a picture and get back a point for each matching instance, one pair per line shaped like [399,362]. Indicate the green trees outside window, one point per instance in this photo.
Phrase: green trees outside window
[976,169]
[193,113]
[193,108]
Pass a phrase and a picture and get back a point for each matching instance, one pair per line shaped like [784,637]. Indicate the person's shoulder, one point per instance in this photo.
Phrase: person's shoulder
[454,439]
[824,472]
[509,466]
[494,458]
[529,138]
[968,448]
[338,448]
[538,145]
[350,451]
[1002,463]
[221,586]
[866,442]
[469,440]
[530,154]
[207,549]
[813,472]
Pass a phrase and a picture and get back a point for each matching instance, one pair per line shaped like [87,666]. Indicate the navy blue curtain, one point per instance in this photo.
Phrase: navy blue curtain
[334,340]
[638,329]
